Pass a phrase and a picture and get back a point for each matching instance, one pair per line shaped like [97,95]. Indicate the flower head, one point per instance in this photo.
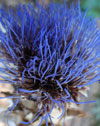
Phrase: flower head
[49,55]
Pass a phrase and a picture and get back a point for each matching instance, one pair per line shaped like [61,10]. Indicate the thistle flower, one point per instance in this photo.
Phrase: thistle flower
[49,55]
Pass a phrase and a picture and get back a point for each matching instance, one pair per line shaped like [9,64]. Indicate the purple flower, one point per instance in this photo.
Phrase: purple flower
[49,55]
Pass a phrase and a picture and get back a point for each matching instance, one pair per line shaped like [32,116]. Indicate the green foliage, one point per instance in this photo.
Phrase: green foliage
[93,7]
[96,111]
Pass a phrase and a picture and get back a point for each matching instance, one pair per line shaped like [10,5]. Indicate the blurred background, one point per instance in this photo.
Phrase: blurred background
[92,110]
[92,5]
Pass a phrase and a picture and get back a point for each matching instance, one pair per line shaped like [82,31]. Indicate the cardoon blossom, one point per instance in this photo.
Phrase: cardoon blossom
[49,55]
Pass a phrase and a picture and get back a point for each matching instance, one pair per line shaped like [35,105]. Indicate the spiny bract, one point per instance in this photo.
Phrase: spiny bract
[49,54]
